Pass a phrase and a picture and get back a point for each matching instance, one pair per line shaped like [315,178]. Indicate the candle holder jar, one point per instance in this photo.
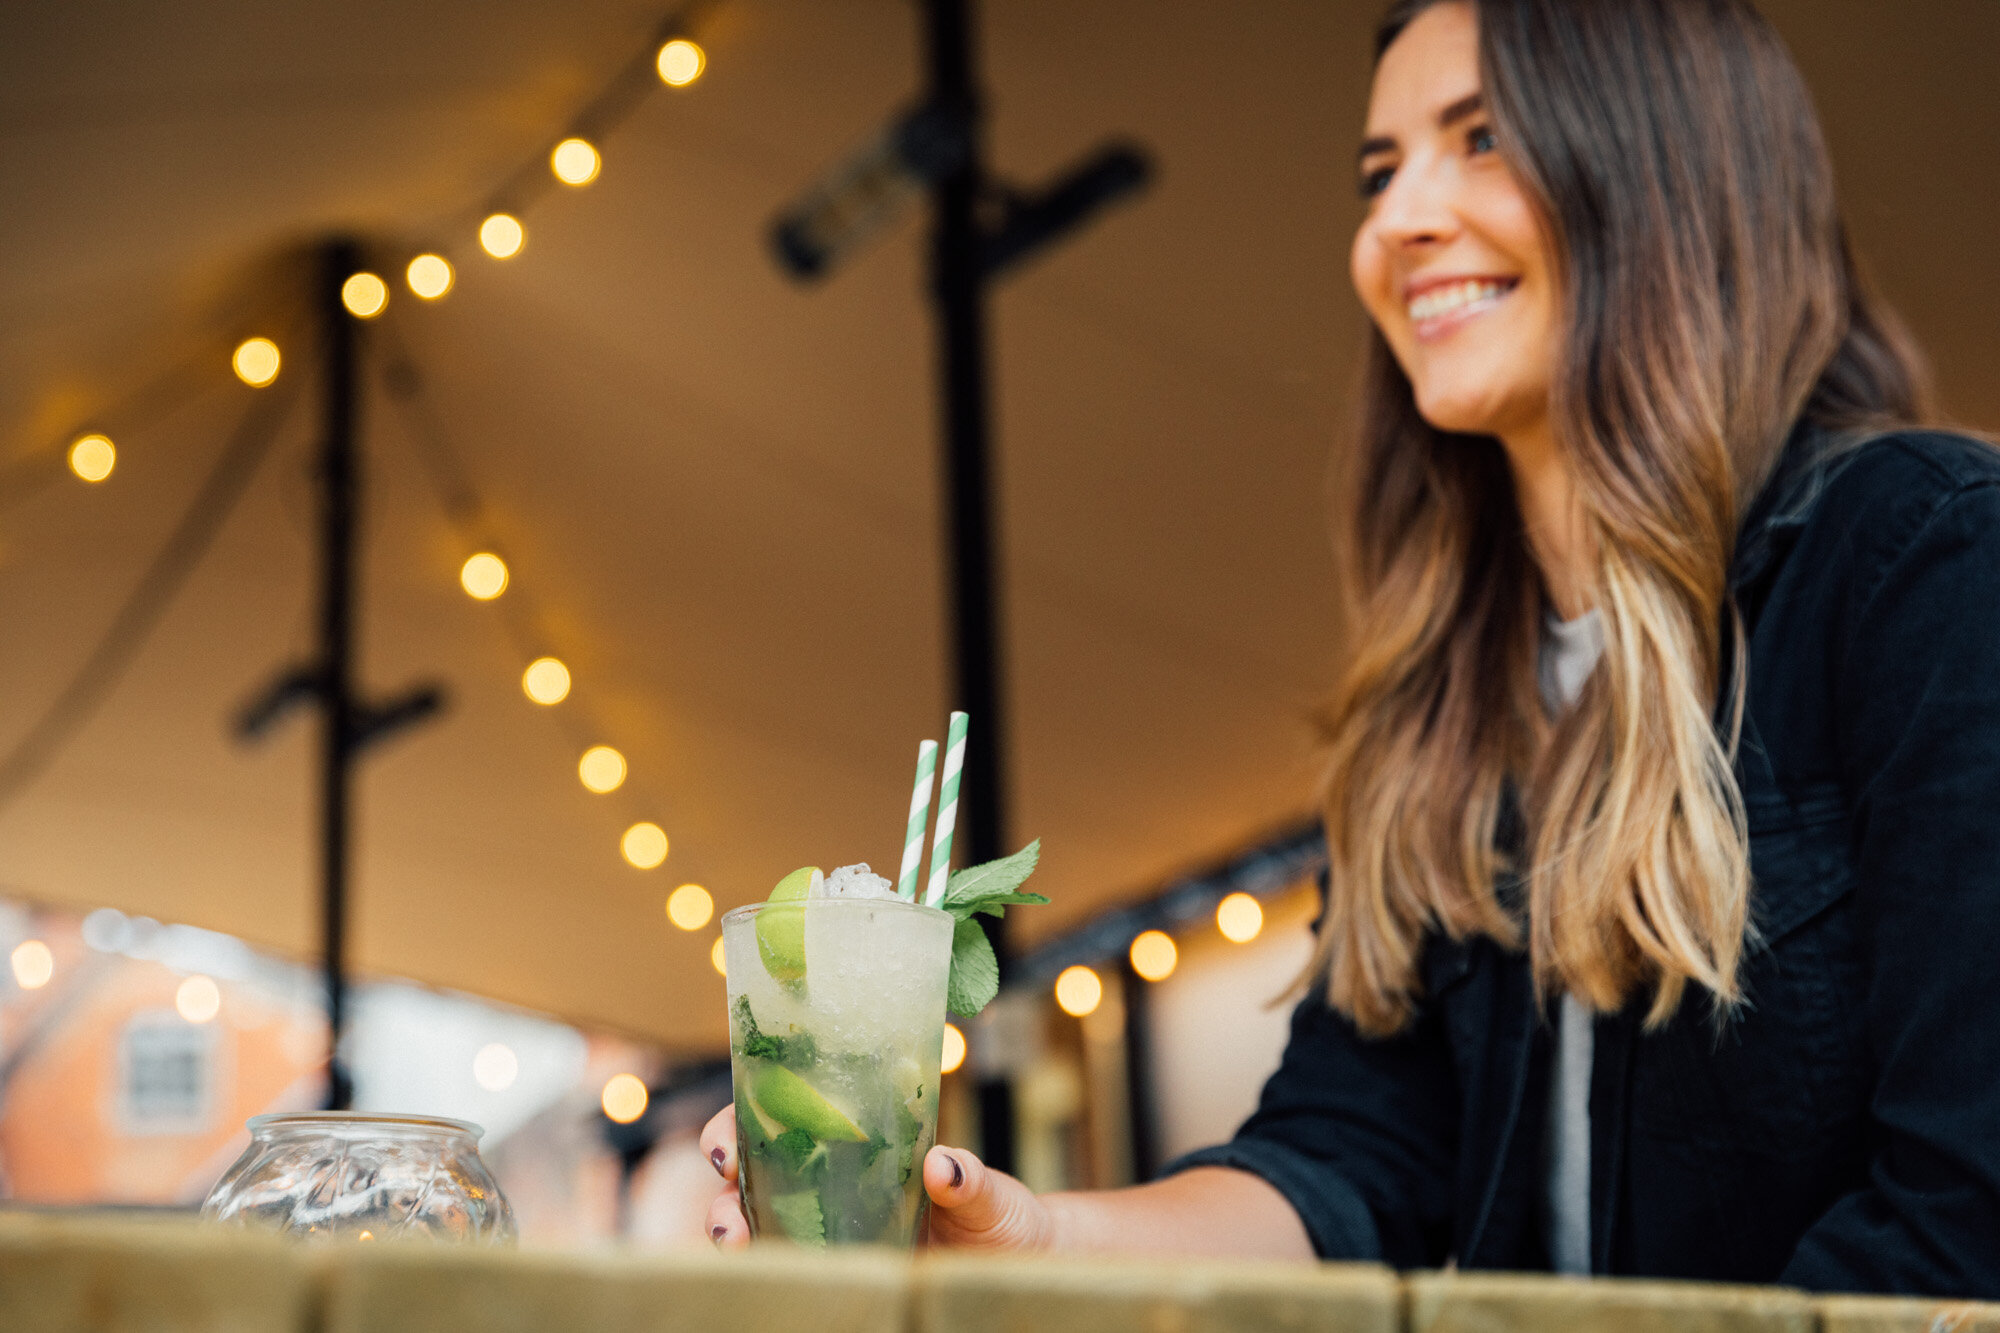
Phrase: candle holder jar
[342,1175]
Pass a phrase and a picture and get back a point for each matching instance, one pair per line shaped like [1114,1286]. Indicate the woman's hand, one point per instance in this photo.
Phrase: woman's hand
[971,1204]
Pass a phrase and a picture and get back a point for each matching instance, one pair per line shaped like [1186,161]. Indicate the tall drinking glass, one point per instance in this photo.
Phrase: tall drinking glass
[836,1028]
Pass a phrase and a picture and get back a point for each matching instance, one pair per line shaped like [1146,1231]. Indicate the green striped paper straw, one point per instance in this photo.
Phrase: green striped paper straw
[920,808]
[947,820]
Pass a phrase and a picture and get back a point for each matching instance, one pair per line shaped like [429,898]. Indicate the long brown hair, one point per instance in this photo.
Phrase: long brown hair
[1710,301]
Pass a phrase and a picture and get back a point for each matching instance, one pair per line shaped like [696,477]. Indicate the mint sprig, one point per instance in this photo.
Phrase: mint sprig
[983,890]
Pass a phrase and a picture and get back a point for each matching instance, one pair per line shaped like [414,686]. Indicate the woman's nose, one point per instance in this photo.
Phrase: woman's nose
[1415,208]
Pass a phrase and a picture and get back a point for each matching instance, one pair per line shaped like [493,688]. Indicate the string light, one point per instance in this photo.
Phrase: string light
[624,1098]
[954,1050]
[495,1067]
[681,62]
[575,162]
[601,768]
[716,960]
[33,964]
[256,361]
[644,844]
[1239,918]
[483,576]
[429,276]
[1078,991]
[690,907]
[502,236]
[1154,955]
[546,681]
[198,999]
[92,457]
[364,295]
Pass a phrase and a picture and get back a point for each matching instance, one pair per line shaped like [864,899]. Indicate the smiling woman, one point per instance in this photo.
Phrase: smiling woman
[1668,611]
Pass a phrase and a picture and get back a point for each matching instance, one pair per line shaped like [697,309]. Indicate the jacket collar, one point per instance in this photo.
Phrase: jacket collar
[1810,460]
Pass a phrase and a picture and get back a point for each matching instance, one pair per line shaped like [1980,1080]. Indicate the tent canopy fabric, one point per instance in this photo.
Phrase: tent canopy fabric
[717,490]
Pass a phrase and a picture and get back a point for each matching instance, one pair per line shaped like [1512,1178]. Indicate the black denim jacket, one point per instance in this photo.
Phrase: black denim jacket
[1842,1131]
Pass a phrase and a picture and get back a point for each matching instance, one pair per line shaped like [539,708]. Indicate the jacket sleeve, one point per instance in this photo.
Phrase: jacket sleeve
[1917,686]
[1359,1135]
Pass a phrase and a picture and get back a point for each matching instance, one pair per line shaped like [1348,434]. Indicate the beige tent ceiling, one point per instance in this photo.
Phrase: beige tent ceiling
[718,489]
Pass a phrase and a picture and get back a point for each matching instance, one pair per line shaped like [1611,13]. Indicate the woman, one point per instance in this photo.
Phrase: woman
[1664,809]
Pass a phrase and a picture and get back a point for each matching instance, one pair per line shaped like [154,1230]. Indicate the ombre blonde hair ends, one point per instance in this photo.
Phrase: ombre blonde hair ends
[1710,303]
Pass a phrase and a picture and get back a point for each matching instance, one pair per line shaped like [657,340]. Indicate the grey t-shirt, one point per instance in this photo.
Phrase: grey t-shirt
[1570,651]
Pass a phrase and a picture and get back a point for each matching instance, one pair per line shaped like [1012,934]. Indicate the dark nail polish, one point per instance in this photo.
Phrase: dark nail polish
[957,1173]
[717,1158]
[717,1232]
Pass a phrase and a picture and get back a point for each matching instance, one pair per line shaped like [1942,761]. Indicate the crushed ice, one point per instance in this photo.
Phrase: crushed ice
[856,881]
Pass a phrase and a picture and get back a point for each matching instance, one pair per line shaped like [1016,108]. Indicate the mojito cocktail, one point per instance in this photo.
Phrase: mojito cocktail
[836,1027]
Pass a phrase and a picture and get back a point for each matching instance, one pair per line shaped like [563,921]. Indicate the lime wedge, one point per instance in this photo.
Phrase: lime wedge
[781,933]
[795,1103]
[761,1123]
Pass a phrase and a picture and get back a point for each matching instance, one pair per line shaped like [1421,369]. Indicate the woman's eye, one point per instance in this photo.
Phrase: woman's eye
[1481,140]
[1376,181]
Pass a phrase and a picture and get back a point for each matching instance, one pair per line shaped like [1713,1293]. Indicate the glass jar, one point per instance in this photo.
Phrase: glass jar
[347,1175]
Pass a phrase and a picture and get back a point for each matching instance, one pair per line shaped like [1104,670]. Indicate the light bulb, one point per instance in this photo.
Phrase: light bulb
[601,768]
[1078,991]
[575,162]
[364,295]
[256,361]
[502,236]
[495,1067]
[483,576]
[644,844]
[1154,955]
[624,1098]
[34,964]
[954,1050]
[198,999]
[716,959]
[93,457]
[430,276]
[690,907]
[546,681]
[681,62]
[1239,918]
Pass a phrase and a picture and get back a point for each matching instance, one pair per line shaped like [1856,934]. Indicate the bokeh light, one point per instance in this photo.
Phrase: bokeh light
[546,681]
[1239,918]
[716,959]
[502,236]
[33,964]
[575,162]
[624,1098]
[1078,991]
[92,457]
[681,62]
[198,999]
[690,907]
[601,768]
[495,1067]
[954,1050]
[429,276]
[644,844]
[364,295]
[1154,955]
[256,361]
[483,576]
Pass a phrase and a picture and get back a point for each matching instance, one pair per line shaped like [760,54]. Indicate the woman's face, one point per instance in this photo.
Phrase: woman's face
[1451,261]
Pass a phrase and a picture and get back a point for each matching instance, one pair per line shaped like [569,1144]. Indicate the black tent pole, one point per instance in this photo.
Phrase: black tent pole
[339,478]
[958,283]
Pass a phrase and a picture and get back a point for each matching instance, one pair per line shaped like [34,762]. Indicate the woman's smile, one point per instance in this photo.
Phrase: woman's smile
[1440,306]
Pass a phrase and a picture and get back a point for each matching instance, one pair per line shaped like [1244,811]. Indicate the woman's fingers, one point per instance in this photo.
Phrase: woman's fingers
[726,1224]
[974,1205]
[718,1142]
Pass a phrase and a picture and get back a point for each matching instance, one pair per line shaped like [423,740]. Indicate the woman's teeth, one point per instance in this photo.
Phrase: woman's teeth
[1441,301]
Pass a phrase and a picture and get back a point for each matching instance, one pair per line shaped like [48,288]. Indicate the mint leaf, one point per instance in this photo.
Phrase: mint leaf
[975,972]
[968,888]
[795,1052]
[795,1148]
[799,1214]
[997,906]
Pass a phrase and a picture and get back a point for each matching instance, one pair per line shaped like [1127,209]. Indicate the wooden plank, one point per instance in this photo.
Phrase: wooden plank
[1043,1294]
[1905,1314]
[1525,1303]
[418,1288]
[66,1274]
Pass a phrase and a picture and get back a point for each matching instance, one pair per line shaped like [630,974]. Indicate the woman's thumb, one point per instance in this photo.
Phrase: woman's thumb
[972,1204]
